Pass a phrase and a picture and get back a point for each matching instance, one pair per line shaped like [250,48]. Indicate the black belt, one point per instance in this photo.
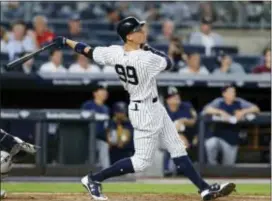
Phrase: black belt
[154,100]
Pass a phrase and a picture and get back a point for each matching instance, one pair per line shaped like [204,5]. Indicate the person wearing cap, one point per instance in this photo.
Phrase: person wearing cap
[227,66]
[75,28]
[225,135]
[120,133]
[42,32]
[113,16]
[137,66]
[206,36]
[184,116]
[97,104]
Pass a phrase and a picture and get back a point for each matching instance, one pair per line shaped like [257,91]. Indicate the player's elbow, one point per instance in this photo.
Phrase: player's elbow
[169,63]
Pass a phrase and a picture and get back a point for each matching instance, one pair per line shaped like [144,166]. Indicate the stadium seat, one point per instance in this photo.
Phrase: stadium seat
[156,27]
[194,48]
[97,26]
[161,47]
[4,58]
[108,36]
[227,49]
[248,62]
[58,25]
[209,63]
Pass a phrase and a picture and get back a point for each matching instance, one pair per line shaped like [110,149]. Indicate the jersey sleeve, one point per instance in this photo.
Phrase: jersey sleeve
[157,63]
[104,55]
[244,103]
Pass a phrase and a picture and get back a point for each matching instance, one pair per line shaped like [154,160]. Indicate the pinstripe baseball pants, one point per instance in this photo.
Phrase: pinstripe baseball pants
[152,126]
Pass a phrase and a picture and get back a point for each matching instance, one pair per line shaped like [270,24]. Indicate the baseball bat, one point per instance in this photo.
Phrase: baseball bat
[29,56]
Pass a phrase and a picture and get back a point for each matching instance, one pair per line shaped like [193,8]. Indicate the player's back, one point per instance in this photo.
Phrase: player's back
[136,69]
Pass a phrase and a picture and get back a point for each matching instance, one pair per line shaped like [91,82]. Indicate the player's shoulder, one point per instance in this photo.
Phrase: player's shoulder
[115,47]
[106,109]
[89,104]
[218,100]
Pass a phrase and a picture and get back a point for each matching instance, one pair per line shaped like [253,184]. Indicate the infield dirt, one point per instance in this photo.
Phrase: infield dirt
[124,197]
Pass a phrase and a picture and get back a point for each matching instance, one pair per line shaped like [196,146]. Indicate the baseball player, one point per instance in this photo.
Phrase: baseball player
[184,117]
[100,95]
[12,145]
[137,69]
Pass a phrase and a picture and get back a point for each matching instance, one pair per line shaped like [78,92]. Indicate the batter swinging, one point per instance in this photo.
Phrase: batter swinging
[137,67]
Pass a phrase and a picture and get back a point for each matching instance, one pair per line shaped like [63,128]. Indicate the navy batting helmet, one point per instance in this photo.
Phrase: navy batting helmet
[128,25]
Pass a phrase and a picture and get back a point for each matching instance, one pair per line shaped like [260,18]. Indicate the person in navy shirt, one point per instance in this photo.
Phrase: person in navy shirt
[120,134]
[225,135]
[97,104]
[184,116]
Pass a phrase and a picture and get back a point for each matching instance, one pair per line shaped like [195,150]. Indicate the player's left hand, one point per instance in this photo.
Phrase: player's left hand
[60,41]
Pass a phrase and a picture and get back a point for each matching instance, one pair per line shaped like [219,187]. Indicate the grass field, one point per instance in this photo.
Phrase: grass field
[249,189]
[133,189]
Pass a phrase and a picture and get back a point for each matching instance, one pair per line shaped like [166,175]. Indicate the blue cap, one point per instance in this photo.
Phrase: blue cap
[120,107]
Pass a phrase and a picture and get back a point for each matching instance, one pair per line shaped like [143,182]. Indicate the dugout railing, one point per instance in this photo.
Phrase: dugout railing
[77,119]
[76,123]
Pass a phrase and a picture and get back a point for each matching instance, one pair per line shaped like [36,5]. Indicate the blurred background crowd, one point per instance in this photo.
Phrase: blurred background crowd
[202,38]
[188,31]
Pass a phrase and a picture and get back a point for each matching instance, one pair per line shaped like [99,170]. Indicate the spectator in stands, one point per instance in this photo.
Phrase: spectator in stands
[42,33]
[75,29]
[207,11]
[225,135]
[227,66]
[100,95]
[113,16]
[28,67]
[12,10]
[176,53]
[168,28]
[82,65]
[206,37]
[120,134]
[55,63]
[19,40]
[4,39]
[193,65]
[266,67]
[184,116]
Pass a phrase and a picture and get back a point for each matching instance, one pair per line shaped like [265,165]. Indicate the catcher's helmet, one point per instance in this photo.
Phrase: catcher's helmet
[128,25]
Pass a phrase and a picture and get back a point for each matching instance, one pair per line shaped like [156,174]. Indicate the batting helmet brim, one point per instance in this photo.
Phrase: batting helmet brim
[142,23]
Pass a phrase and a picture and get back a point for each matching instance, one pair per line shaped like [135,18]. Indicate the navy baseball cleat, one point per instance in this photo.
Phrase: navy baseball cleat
[93,187]
[217,190]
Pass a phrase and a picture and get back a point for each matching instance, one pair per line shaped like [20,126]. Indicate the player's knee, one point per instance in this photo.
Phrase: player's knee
[140,164]
[211,143]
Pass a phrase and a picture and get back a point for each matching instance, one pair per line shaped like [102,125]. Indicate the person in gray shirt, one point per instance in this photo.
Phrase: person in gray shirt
[227,66]
[224,135]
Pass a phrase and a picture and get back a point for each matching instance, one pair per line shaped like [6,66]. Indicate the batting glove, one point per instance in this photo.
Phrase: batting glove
[60,41]
[25,146]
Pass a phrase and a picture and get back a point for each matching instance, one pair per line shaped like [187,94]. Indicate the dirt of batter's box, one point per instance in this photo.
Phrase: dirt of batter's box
[124,197]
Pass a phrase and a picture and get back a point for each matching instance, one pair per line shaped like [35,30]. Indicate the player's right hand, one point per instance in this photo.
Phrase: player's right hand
[60,41]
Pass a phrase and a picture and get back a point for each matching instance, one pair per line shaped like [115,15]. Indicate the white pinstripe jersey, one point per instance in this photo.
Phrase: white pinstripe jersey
[136,69]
